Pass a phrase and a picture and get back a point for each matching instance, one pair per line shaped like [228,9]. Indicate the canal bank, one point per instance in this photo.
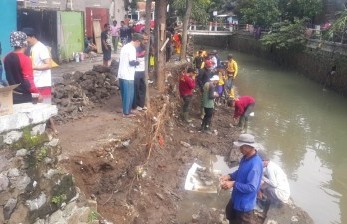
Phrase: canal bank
[315,62]
[303,129]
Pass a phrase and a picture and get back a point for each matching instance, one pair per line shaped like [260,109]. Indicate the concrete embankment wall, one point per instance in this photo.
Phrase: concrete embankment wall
[314,62]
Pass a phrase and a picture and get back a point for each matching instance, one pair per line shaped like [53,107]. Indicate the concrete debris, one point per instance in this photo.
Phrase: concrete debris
[78,92]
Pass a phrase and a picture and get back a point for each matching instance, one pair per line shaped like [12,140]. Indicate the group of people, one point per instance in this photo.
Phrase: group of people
[29,67]
[215,80]
[131,75]
[257,181]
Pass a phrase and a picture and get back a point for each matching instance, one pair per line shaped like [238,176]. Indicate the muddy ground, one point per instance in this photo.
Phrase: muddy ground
[136,167]
[141,180]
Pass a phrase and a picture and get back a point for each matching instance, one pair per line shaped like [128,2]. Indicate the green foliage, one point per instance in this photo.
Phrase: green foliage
[199,10]
[41,153]
[93,216]
[338,29]
[28,141]
[286,35]
[260,12]
[58,199]
[300,8]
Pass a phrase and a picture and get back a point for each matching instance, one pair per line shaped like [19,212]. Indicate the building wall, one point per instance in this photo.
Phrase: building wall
[8,23]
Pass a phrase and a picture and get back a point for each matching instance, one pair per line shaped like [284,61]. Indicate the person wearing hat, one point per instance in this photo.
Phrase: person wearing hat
[186,86]
[208,97]
[126,73]
[275,186]
[245,182]
[19,70]
[232,70]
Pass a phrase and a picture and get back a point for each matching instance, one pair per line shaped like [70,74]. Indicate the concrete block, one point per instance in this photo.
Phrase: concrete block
[26,114]
[12,137]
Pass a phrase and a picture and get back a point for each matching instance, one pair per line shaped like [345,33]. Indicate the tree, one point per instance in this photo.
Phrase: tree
[186,19]
[338,30]
[260,12]
[147,30]
[160,26]
[300,9]
[286,35]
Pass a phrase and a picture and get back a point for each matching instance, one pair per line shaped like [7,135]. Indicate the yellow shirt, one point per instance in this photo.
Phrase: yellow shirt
[221,79]
[232,67]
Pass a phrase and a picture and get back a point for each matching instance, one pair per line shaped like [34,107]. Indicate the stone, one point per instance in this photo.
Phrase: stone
[54,142]
[56,218]
[8,208]
[26,114]
[48,160]
[37,203]
[21,152]
[38,129]
[69,209]
[4,182]
[22,183]
[50,173]
[12,136]
[39,221]
[3,163]
[13,172]
[92,204]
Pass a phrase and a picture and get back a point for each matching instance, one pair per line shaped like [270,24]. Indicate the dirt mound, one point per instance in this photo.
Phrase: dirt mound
[78,92]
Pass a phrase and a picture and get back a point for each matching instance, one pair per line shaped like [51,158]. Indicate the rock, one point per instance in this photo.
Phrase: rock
[37,203]
[12,137]
[3,163]
[48,160]
[126,143]
[21,152]
[57,218]
[38,129]
[8,208]
[4,182]
[22,183]
[50,173]
[13,172]
[54,142]
[185,144]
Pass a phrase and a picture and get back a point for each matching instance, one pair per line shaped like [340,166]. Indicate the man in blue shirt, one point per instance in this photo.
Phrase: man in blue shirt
[245,182]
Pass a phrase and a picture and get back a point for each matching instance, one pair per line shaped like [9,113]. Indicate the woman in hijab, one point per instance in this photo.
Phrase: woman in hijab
[18,68]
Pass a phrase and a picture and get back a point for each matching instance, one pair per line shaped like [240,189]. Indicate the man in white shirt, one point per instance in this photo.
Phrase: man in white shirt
[275,184]
[126,73]
[42,64]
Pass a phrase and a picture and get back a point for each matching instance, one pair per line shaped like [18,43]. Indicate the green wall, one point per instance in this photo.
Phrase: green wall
[70,34]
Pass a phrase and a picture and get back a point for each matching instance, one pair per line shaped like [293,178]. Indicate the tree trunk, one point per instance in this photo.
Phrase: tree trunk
[189,6]
[147,30]
[160,37]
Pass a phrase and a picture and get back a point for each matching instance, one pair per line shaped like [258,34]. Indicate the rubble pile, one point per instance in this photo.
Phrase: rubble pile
[78,91]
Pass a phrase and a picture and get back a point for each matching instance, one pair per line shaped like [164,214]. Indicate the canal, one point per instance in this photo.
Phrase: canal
[304,129]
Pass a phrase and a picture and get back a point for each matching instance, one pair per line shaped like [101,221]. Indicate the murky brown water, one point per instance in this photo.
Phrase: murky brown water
[304,129]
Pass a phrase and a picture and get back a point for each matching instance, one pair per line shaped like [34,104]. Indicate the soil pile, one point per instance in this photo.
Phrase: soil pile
[77,93]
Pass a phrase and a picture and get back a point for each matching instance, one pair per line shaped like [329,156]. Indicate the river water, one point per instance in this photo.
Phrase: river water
[304,130]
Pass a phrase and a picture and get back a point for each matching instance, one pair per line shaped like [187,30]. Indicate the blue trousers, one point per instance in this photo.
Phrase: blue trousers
[127,94]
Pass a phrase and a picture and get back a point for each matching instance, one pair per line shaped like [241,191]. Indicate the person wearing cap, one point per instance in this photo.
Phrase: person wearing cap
[208,97]
[275,186]
[232,71]
[186,86]
[243,107]
[126,73]
[19,70]
[245,182]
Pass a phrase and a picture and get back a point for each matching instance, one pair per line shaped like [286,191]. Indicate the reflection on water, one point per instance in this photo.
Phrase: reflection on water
[304,130]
